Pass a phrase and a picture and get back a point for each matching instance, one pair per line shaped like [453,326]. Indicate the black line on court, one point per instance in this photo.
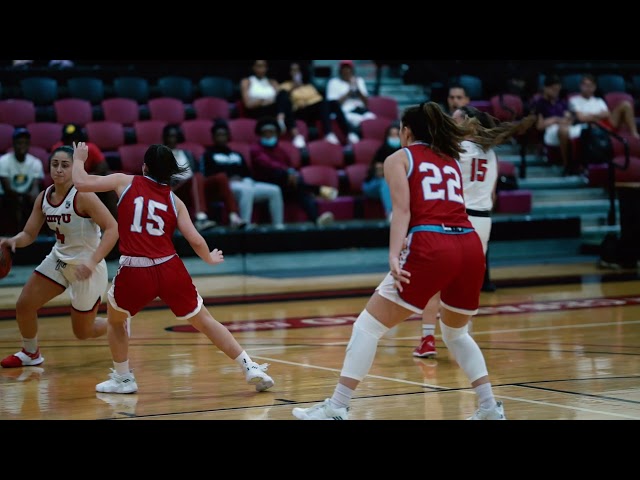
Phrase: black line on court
[432,390]
[580,394]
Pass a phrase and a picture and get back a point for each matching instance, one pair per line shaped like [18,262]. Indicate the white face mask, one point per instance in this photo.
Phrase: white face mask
[297,77]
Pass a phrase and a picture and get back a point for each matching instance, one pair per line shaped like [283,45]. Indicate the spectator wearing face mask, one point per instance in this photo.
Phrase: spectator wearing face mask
[375,185]
[273,164]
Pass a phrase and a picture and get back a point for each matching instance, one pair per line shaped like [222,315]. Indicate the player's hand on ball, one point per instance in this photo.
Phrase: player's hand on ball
[216,256]
[8,242]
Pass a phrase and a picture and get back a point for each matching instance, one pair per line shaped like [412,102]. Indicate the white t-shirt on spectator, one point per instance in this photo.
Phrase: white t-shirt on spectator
[21,175]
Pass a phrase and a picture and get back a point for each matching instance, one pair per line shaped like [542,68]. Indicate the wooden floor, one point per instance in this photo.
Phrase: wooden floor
[560,351]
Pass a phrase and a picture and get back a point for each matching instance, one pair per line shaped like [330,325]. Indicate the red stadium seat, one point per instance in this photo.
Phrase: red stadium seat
[198,130]
[167,109]
[132,157]
[73,110]
[108,136]
[17,112]
[45,134]
[149,131]
[211,108]
[365,150]
[384,106]
[243,130]
[120,109]
[322,152]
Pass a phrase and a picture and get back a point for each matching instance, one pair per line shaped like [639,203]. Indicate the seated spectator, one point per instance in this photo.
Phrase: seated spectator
[196,190]
[310,106]
[96,163]
[219,158]
[456,98]
[375,185]
[261,96]
[21,180]
[556,121]
[272,164]
[587,107]
[350,91]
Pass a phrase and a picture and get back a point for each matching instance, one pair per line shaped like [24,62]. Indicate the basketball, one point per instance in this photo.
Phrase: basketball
[5,261]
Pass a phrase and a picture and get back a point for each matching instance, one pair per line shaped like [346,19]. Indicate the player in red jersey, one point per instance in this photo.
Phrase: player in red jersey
[148,215]
[443,253]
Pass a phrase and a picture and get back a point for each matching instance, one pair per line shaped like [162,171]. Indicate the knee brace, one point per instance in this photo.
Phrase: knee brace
[465,350]
[361,349]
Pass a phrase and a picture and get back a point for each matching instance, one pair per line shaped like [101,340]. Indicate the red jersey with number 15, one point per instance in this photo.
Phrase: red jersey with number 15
[147,219]
[435,185]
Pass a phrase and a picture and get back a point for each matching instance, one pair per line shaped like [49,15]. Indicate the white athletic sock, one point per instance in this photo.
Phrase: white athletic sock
[30,344]
[122,368]
[428,330]
[486,399]
[244,361]
[341,396]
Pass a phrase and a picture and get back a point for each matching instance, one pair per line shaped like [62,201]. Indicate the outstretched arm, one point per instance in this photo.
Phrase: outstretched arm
[95,183]
[197,242]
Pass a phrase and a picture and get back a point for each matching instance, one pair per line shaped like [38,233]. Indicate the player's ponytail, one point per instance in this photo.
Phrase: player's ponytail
[161,163]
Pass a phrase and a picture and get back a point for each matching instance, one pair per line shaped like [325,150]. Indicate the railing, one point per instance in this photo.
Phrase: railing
[611,171]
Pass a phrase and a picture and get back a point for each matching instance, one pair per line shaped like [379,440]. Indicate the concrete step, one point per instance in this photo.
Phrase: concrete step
[539,251]
[572,207]
[547,178]
[564,195]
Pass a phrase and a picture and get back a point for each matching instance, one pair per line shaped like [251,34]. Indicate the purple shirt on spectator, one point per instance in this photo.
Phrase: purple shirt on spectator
[548,109]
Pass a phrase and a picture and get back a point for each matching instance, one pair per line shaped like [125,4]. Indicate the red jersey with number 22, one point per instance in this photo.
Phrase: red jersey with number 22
[147,219]
[435,184]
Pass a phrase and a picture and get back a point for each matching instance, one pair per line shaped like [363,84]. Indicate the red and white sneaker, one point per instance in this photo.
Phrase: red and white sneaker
[427,347]
[22,359]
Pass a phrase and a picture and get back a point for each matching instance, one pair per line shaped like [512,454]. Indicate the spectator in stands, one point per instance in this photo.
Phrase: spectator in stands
[196,190]
[220,158]
[350,91]
[262,96]
[587,107]
[272,164]
[96,163]
[375,185]
[21,180]
[556,121]
[456,98]
[310,106]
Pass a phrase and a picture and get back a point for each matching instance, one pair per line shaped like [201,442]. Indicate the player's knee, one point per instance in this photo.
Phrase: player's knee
[450,334]
[25,307]
[369,325]
[83,332]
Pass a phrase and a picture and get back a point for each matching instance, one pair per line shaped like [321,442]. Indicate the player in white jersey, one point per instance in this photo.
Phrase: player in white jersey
[479,168]
[76,261]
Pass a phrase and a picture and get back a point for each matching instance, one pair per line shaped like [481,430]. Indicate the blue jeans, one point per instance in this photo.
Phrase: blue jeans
[378,188]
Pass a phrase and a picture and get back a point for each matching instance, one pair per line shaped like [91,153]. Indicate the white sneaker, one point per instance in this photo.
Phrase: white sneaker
[495,413]
[326,218]
[353,138]
[118,383]
[255,375]
[298,141]
[321,411]
[332,138]
[22,359]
